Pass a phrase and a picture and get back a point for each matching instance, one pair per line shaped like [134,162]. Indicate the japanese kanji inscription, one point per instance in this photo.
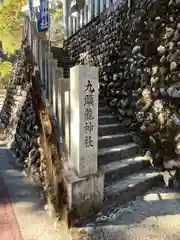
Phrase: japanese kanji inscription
[88,114]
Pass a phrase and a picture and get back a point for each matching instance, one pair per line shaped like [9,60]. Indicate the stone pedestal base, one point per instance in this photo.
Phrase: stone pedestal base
[85,193]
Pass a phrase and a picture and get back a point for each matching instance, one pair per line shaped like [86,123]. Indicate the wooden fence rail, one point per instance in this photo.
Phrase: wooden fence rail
[92,9]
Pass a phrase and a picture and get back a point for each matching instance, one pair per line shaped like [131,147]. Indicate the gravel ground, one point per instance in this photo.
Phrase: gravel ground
[154,216]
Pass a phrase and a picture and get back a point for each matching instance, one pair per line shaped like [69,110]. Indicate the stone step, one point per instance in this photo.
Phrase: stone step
[130,187]
[119,169]
[103,111]
[107,119]
[101,103]
[111,140]
[2,92]
[117,152]
[1,104]
[110,129]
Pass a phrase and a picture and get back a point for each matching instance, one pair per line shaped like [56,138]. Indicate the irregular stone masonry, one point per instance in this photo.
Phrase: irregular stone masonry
[25,123]
[138,53]
[19,123]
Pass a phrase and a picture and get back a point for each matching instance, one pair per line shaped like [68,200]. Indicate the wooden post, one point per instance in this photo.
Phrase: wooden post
[97,7]
[70,26]
[108,3]
[41,59]
[85,14]
[54,67]
[50,66]
[46,73]
[74,25]
[81,18]
[78,21]
[102,5]
[90,10]
[58,103]
[67,112]
[65,13]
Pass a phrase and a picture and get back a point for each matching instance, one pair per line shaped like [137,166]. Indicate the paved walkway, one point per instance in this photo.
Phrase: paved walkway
[22,214]
[156,216]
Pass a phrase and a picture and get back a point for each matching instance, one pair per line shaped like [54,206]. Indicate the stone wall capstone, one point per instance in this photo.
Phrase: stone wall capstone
[138,53]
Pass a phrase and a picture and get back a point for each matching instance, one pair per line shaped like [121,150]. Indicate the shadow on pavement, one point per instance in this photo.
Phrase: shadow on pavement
[19,187]
[157,216]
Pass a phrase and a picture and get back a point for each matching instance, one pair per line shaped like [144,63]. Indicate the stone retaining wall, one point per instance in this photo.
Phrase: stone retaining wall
[138,52]
[25,123]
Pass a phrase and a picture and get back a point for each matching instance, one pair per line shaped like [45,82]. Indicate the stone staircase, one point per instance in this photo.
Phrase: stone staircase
[128,173]
[2,97]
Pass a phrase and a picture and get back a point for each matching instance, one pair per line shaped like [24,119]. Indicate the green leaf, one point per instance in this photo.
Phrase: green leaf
[5,68]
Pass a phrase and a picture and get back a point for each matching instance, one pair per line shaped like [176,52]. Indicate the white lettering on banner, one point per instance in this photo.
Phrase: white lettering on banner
[43,15]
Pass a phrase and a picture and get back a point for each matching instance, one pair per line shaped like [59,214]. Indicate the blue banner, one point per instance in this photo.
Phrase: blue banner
[43,16]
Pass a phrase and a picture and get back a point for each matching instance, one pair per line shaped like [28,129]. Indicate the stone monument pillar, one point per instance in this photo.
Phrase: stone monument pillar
[84,183]
[84,119]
